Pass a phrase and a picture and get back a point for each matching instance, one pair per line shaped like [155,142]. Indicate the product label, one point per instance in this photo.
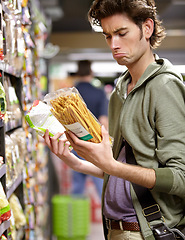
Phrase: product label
[79,131]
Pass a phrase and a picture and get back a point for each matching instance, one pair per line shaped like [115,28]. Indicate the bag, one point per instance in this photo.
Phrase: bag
[161,231]
[151,209]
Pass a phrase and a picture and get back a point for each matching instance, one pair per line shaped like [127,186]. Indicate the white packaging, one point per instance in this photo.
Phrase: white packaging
[40,118]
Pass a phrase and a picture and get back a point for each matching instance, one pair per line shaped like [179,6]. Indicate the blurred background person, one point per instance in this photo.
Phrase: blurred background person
[97,102]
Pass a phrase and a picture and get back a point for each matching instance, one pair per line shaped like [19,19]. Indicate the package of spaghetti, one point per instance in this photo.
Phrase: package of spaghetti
[69,108]
[40,118]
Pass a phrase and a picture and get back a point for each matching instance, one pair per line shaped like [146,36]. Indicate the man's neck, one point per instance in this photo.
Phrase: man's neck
[136,70]
[87,78]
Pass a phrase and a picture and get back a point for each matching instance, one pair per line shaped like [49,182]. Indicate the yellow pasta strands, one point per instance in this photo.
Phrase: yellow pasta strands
[71,109]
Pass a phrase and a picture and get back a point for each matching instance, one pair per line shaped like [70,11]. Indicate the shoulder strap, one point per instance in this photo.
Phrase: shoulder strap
[151,209]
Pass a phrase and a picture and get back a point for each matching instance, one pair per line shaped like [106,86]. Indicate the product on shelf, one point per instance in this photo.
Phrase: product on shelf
[14,44]
[2,101]
[9,35]
[19,138]
[13,106]
[17,210]
[30,216]
[11,161]
[12,229]
[1,46]
[23,35]
[40,118]
[71,111]
[29,193]
[3,237]
[5,212]
[20,47]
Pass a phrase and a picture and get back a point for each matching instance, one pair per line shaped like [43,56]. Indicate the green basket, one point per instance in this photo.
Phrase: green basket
[71,217]
[72,238]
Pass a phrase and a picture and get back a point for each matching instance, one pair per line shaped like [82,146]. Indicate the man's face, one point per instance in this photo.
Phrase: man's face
[125,39]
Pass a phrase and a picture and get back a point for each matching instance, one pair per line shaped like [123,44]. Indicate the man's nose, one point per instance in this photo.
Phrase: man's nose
[114,43]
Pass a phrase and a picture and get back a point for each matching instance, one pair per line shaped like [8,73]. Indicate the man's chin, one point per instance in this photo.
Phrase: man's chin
[121,62]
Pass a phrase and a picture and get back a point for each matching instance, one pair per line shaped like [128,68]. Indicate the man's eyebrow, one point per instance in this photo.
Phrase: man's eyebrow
[116,31]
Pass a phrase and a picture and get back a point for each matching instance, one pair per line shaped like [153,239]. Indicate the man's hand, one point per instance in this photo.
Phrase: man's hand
[61,147]
[100,154]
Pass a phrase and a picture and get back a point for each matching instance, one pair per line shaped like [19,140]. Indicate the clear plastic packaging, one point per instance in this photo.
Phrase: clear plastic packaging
[19,139]
[40,118]
[11,161]
[2,101]
[19,217]
[71,111]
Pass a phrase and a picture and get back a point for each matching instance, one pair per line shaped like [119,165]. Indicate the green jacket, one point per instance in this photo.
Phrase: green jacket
[152,120]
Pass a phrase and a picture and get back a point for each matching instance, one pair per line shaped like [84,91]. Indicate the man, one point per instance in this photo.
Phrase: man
[97,102]
[146,112]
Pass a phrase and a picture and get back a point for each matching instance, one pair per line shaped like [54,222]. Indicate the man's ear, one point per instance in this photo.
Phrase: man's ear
[148,28]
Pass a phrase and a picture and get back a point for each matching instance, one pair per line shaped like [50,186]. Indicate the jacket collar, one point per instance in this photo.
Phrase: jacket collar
[152,70]
[158,67]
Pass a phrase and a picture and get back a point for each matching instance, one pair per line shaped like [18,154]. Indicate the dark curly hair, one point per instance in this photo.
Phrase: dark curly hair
[137,10]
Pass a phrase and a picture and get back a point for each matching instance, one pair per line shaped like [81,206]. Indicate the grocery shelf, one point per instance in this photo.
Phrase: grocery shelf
[20,147]
[14,186]
[13,124]
[7,68]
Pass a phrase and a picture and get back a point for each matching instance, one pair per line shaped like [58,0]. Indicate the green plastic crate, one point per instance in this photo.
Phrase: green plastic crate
[71,217]
[72,238]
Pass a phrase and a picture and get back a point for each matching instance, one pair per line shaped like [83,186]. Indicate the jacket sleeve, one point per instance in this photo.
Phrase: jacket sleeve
[170,138]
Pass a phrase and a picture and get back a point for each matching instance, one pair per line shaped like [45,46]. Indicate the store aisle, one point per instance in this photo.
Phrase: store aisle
[96,232]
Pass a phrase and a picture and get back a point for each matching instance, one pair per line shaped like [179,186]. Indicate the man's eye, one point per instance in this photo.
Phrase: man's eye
[107,37]
[122,34]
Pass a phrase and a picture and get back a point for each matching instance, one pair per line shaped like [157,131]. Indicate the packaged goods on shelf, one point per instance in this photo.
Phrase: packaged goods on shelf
[3,237]
[1,46]
[5,212]
[10,45]
[17,210]
[13,107]
[24,169]
[16,230]
[19,138]
[14,44]
[20,47]
[11,161]
[2,101]
[12,229]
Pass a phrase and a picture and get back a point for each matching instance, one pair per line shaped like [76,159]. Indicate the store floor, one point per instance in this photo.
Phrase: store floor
[96,232]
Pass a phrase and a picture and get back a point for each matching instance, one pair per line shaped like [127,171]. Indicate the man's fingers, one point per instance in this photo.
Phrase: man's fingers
[47,138]
[73,139]
[57,136]
[105,134]
[67,147]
